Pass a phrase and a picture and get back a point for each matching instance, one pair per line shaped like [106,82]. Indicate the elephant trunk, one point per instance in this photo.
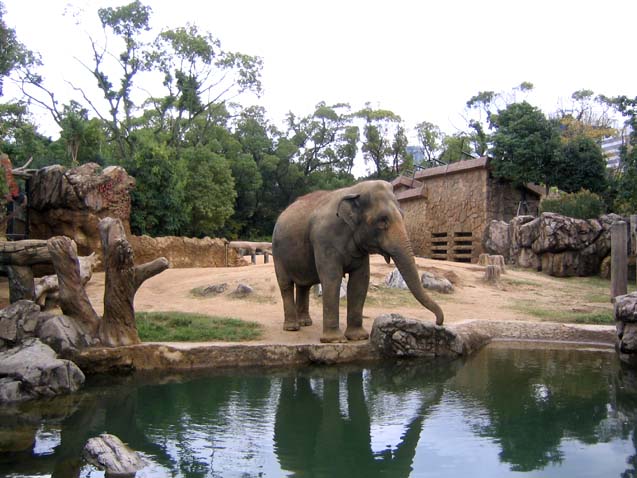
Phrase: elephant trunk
[404,259]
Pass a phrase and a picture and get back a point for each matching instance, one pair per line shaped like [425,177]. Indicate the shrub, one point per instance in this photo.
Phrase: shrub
[580,205]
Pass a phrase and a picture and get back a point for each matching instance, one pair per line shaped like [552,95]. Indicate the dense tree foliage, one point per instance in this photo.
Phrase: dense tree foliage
[526,145]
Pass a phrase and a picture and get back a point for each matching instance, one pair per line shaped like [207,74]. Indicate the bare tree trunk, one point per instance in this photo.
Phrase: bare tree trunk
[46,288]
[74,302]
[122,281]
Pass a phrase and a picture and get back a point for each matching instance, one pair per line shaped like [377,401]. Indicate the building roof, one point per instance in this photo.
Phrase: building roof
[416,185]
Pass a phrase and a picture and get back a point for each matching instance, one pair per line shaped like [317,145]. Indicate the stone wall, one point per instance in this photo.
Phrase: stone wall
[184,252]
[448,223]
[503,201]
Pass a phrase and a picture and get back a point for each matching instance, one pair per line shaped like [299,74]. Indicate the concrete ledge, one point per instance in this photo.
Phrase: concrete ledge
[184,356]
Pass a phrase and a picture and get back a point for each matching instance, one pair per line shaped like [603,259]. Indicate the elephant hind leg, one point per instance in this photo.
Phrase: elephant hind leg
[303,305]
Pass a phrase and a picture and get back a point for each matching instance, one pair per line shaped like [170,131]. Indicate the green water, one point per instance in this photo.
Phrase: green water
[514,411]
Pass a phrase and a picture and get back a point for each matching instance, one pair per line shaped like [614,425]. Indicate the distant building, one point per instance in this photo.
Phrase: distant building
[611,148]
[447,208]
[417,152]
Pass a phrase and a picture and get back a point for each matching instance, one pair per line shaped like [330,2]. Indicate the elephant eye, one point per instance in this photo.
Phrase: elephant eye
[382,222]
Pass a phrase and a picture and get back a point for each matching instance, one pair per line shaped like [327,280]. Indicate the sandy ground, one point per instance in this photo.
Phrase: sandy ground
[518,291]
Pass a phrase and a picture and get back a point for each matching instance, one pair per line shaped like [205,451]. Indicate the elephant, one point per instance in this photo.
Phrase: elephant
[326,234]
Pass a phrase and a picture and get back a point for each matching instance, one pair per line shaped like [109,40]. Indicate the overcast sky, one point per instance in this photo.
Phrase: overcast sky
[421,59]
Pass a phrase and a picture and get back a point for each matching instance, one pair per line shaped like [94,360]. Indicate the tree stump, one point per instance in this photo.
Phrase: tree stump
[123,278]
[46,292]
[497,261]
[117,327]
[492,274]
[483,260]
[74,302]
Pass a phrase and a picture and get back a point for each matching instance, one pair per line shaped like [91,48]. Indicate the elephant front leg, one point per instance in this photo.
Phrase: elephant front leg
[357,286]
[303,305]
[331,295]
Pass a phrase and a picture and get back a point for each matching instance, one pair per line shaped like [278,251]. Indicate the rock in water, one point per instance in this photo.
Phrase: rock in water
[108,453]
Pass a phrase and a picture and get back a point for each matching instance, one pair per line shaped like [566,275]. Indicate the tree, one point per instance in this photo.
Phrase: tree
[13,54]
[326,139]
[581,166]
[587,116]
[82,137]
[526,145]
[210,192]
[456,148]
[380,127]
[431,138]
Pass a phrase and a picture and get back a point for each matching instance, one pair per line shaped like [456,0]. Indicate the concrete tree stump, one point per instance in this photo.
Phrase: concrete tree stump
[619,260]
[497,261]
[492,274]
[483,260]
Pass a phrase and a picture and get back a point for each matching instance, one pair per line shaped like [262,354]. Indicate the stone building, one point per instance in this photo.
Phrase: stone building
[447,208]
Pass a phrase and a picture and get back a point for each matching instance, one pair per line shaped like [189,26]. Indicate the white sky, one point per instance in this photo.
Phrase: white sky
[421,59]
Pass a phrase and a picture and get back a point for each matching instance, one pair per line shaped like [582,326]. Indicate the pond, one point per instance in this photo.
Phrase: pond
[514,410]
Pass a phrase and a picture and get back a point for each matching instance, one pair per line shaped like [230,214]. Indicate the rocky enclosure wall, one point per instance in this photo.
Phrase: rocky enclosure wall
[71,202]
[557,245]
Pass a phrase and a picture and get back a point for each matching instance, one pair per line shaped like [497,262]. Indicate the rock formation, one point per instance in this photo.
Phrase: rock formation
[107,452]
[396,336]
[626,322]
[32,370]
[71,202]
[555,244]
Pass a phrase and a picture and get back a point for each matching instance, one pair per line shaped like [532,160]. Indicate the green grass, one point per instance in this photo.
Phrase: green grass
[569,316]
[185,327]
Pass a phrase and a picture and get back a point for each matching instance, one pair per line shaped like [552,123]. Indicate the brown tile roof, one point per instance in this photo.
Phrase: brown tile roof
[417,188]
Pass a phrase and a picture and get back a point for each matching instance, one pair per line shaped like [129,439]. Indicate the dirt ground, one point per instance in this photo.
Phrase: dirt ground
[518,293]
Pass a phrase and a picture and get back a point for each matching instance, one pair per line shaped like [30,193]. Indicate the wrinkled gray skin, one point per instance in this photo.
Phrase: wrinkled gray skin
[326,234]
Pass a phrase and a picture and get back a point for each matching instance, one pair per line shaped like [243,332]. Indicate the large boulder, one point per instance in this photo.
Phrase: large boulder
[496,239]
[18,322]
[32,370]
[626,322]
[396,336]
[71,202]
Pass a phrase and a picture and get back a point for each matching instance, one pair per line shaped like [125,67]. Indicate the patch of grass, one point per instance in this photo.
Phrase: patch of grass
[185,327]
[520,282]
[568,316]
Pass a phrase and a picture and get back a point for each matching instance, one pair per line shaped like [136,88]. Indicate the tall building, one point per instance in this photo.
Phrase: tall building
[612,146]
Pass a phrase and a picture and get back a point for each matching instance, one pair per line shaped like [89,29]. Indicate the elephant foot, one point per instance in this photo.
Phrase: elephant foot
[291,326]
[333,336]
[305,321]
[356,333]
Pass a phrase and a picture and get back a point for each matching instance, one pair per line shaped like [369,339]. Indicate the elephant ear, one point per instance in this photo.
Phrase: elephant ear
[348,209]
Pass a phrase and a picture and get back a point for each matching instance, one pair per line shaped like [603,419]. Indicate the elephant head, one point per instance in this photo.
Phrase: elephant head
[372,213]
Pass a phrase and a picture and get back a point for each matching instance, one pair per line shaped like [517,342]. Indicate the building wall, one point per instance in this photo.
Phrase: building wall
[503,201]
[449,222]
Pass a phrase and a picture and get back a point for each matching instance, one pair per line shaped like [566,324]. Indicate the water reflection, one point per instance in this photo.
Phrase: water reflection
[548,412]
